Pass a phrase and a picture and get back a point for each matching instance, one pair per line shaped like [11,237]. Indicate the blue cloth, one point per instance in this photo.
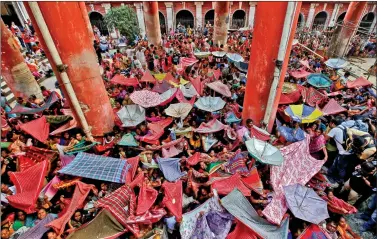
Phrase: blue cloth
[291,135]
[213,225]
[170,168]
[97,167]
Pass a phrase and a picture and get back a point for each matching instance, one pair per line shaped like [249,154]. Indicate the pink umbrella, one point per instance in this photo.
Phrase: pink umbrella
[185,61]
[146,98]
[168,96]
[220,87]
[147,77]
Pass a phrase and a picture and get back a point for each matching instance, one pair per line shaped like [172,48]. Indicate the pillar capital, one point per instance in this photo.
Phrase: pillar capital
[198,3]
[138,5]
[169,4]
[106,5]
[313,5]
[253,4]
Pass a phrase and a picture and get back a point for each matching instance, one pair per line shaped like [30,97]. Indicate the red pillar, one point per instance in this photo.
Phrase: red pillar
[152,22]
[344,33]
[16,73]
[269,22]
[221,23]
[284,68]
[70,34]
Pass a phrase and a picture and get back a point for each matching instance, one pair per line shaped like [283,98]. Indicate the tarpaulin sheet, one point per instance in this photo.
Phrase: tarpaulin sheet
[237,205]
[298,167]
[210,127]
[81,192]
[253,181]
[290,98]
[38,128]
[28,185]
[97,167]
[225,186]
[242,231]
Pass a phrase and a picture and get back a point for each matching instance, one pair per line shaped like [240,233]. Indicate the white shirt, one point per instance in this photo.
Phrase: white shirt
[337,134]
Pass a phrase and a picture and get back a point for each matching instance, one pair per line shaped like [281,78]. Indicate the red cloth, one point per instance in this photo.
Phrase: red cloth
[122,80]
[225,186]
[121,203]
[138,180]
[157,130]
[253,181]
[134,161]
[301,73]
[259,133]
[198,84]
[24,163]
[39,155]
[147,77]
[146,199]
[173,198]
[314,231]
[359,82]
[242,231]
[290,98]
[332,107]
[181,98]
[81,192]
[28,185]
[38,128]
[210,127]
[161,87]
[336,203]
[312,96]
[194,159]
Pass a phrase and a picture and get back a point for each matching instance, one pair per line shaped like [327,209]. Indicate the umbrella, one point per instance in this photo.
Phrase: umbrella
[242,66]
[128,140]
[264,152]
[210,104]
[161,87]
[305,204]
[220,87]
[122,80]
[319,80]
[178,110]
[168,96]
[188,90]
[203,54]
[160,76]
[336,63]
[234,57]
[219,53]
[145,98]
[289,88]
[147,77]
[131,115]
[303,113]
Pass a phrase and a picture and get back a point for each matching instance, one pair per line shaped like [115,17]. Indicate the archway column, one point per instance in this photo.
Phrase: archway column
[221,24]
[342,35]
[310,19]
[334,15]
[251,14]
[152,22]
[199,19]
[266,77]
[15,72]
[169,16]
[140,17]
[71,38]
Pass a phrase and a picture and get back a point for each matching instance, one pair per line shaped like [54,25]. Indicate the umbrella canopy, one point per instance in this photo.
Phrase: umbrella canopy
[131,115]
[319,80]
[303,113]
[336,63]
[147,77]
[202,54]
[146,98]
[161,87]
[188,90]
[264,152]
[210,104]
[305,204]
[186,61]
[242,66]
[168,96]
[220,87]
[234,57]
[218,53]
[179,110]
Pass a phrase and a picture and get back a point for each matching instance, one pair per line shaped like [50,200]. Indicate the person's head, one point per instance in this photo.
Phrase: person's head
[79,136]
[51,235]
[331,225]
[118,105]
[20,100]
[41,213]
[334,122]
[5,234]
[4,153]
[330,193]
[347,74]
[342,221]
[104,186]
[367,168]
[203,165]
[4,188]
[77,216]
[66,135]
[249,123]
[318,132]
[21,215]
[43,88]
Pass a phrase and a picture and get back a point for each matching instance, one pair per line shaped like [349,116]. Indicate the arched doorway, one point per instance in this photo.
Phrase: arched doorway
[366,22]
[209,17]
[162,23]
[319,21]
[301,21]
[238,19]
[185,18]
[341,18]
[96,19]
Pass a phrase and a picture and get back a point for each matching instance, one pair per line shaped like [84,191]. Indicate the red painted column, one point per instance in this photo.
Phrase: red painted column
[152,22]
[342,35]
[16,73]
[268,27]
[70,34]
[271,121]
[221,23]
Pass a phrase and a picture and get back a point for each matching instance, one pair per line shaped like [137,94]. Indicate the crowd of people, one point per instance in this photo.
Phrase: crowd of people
[181,162]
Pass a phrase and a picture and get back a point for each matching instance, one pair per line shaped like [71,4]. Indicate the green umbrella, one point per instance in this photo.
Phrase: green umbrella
[264,152]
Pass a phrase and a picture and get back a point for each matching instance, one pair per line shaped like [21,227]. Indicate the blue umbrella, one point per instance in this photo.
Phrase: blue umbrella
[233,57]
[336,63]
[242,66]
[319,80]
[303,113]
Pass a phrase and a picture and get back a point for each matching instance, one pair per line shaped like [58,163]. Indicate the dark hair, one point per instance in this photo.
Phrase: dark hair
[367,167]
[358,142]
[248,121]
[335,121]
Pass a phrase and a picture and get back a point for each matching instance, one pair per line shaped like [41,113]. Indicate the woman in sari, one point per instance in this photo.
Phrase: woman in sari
[317,147]
[337,205]
[345,230]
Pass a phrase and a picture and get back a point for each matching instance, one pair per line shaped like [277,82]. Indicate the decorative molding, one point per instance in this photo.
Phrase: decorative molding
[198,3]
[169,4]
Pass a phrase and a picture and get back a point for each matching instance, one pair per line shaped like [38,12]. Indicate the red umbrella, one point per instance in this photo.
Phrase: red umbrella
[122,80]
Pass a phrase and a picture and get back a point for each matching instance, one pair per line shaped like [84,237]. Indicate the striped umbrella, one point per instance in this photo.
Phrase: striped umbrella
[303,113]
